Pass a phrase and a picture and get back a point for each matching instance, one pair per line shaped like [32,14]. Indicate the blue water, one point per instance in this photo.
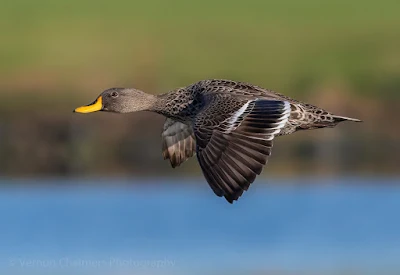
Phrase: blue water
[160,227]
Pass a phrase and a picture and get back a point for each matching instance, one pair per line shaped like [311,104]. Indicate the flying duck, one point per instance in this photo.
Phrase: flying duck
[229,125]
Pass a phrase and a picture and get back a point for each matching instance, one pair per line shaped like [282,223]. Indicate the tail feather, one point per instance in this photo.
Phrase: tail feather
[343,118]
[308,117]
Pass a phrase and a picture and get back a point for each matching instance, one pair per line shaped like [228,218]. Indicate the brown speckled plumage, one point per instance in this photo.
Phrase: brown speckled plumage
[229,125]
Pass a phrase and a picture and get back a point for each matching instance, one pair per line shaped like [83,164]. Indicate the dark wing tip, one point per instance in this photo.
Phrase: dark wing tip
[229,199]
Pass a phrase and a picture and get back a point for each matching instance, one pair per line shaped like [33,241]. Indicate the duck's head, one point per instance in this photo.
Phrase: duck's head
[119,100]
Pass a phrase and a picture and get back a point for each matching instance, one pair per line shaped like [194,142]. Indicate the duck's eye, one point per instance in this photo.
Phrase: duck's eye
[114,94]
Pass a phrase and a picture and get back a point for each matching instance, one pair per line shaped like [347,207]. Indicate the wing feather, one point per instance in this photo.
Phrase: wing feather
[178,142]
[233,147]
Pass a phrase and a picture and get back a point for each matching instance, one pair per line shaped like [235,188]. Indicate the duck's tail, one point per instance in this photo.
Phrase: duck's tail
[308,117]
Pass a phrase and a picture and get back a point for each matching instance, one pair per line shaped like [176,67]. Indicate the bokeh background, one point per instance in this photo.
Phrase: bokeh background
[91,194]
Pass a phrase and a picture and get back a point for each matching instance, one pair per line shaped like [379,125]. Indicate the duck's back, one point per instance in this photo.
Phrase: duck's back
[303,116]
[238,89]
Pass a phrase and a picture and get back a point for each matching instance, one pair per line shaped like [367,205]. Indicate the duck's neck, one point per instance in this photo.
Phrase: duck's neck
[140,101]
[177,105]
[158,103]
[166,104]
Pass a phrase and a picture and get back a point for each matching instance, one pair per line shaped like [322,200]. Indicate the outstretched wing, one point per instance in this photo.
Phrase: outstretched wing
[178,142]
[234,140]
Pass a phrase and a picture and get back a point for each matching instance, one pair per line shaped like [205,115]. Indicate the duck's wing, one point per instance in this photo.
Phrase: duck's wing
[234,140]
[178,143]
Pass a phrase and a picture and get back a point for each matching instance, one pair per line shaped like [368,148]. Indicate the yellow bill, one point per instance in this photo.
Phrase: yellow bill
[94,107]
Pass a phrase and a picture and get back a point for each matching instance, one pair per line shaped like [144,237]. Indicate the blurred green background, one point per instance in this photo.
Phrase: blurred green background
[79,190]
[56,55]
